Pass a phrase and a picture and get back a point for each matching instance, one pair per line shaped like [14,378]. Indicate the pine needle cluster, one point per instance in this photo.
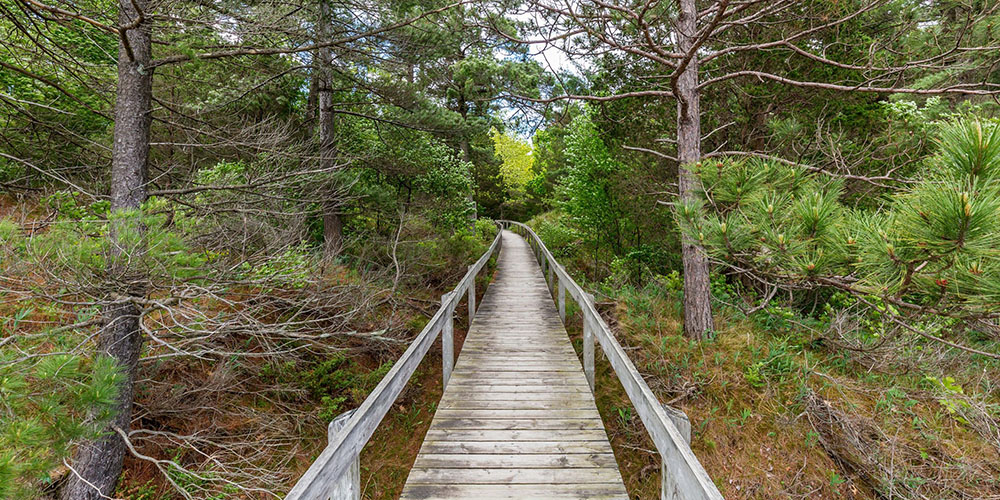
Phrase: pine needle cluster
[48,405]
[934,247]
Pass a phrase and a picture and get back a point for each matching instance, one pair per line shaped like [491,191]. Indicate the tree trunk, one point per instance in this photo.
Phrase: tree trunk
[98,463]
[312,102]
[466,148]
[333,229]
[697,295]
[468,197]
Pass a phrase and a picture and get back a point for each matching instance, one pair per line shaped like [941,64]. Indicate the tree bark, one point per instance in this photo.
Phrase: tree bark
[333,229]
[697,294]
[98,463]
[466,148]
[469,196]
[312,102]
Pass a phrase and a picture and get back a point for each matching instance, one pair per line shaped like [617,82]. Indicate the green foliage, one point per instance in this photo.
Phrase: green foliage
[293,267]
[49,404]
[585,187]
[937,239]
[10,235]
[971,149]
[69,206]
[774,366]
[518,163]
[952,396]
[340,380]
[449,181]
[559,238]
[769,215]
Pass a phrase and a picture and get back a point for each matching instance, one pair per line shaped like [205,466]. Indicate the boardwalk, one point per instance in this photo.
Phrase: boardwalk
[517,419]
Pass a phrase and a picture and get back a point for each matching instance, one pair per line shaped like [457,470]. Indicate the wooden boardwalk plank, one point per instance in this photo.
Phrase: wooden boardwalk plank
[518,419]
[609,491]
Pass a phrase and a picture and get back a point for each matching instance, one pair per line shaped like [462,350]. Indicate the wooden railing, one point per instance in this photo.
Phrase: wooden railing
[683,476]
[335,473]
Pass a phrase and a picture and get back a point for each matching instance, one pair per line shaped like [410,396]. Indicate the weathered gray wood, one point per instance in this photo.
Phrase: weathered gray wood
[554,398]
[681,421]
[447,338]
[520,389]
[472,294]
[348,487]
[518,460]
[513,447]
[344,448]
[684,477]
[517,408]
[516,435]
[591,491]
[537,477]
[520,404]
[494,423]
[557,413]
[562,301]
[588,344]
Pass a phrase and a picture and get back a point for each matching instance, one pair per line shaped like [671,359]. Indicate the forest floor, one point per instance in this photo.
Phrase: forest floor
[258,416]
[775,413]
[778,408]
[386,459]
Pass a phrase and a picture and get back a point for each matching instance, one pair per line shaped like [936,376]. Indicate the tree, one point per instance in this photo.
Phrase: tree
[931,252]
[685,49]
[459,61]
[98,463]
[232,33]
[517,169]
[333,228]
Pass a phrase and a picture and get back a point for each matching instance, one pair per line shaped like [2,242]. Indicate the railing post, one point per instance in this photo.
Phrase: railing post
[562,301]
[669,488]
[472,297]
[447,338]
[588,340]
[681,422]
[552,283]
[348,487]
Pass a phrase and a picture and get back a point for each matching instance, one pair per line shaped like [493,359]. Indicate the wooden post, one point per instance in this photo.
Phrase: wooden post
[447,338]
[562,301]
[348,486]
[680,421]
[472,298]
[670,489]
[552,283]
[588,340]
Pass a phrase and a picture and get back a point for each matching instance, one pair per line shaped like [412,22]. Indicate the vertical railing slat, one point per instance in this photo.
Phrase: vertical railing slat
[448,338]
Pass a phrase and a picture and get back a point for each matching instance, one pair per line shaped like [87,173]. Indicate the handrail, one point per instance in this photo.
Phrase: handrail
[683,476]
[334,473]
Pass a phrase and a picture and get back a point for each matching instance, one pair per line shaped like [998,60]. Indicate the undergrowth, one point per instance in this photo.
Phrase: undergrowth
[779,411]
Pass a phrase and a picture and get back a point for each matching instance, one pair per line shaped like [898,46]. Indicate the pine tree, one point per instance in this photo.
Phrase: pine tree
[931,249]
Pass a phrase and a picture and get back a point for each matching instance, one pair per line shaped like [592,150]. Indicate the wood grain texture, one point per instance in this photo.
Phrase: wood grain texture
[683,476]
[518,419]
[337,460]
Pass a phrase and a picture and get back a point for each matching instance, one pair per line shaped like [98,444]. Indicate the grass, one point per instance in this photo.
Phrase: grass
[777,414]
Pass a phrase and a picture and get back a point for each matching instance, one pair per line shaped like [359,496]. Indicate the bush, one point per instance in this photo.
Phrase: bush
[559,238]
